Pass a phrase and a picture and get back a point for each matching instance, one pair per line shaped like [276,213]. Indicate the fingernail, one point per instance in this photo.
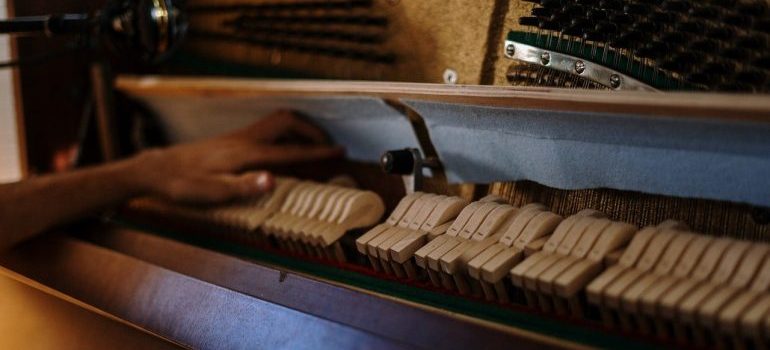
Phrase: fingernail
[264,182]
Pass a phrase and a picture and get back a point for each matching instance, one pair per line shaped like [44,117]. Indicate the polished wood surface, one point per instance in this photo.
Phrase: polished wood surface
[205,299]
[732,107]
[33,319]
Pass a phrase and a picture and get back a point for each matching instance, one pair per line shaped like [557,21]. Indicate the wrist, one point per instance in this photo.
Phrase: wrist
[131,175]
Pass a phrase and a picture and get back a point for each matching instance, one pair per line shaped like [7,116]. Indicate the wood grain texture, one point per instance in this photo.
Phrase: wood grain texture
[728,107]
[34,319]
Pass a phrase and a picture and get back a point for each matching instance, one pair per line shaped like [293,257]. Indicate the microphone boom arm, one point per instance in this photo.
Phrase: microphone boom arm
[47,25]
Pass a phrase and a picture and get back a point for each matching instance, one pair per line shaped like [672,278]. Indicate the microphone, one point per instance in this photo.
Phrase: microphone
[144,30]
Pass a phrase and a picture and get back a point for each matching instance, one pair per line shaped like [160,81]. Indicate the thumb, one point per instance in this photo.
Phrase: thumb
[221,188]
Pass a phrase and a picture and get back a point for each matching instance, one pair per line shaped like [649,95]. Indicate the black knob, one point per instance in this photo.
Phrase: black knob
[398,162]
[529,21]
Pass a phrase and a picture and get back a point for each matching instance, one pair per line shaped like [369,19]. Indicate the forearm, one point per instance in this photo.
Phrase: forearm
[216,170]
[32,206]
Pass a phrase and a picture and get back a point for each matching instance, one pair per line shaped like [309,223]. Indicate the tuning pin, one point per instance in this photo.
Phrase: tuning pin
[736,53]
[542,12]
[735,86]
[705,12]
[753,42]
[720,33]
[719,67]
[594,35]
[552,3]
[674,64]
[725,3]
[754,77]
[690,27]
[737,19]
[529,21]
[637,9]
[549,25]
[628,40]
[577,27]
[762,62]
[708,46]
[674,38]
[682,61]
[611,4]
[572,10]
[703,78]
[646,26]
[762,25]
[676,6]
[665,17]
[655,49]
[753,8]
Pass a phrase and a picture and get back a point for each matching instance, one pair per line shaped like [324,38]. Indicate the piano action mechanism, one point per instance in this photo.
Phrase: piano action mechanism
[651,267]
[572,203]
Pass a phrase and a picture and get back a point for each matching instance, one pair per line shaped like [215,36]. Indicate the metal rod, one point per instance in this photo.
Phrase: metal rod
[105,113]
[48,25]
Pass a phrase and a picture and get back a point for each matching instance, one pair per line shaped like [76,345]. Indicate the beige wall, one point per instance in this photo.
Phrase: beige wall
[10,166]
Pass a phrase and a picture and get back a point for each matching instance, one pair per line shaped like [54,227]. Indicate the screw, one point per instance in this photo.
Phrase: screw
[510,49]
[545,58]
[580,67]
[450,76]
[615,81]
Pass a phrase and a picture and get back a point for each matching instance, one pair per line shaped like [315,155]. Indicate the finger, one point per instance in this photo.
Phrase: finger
[273,126]
[220,188]
[307,129]
[266,128]
[276,155]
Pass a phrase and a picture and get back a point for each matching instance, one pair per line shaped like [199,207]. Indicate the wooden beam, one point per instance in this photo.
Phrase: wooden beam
[727,107]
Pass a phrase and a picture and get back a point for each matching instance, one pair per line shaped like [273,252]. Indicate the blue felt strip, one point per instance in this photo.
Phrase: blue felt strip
[366,127]
[686,157]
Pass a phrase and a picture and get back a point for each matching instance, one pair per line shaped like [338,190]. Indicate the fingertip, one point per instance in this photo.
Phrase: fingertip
[254,183]
[264,181]
[334,151]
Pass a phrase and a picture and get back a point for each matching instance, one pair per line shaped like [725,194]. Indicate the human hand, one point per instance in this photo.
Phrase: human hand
[219,169]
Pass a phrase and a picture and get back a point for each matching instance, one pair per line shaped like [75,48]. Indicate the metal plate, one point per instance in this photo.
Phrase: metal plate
[574,65]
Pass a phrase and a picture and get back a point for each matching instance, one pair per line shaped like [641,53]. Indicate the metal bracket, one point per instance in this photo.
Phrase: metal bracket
[409,163]
[573,65]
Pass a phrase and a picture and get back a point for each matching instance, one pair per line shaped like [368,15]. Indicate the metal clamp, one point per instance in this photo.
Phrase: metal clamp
[409,163]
